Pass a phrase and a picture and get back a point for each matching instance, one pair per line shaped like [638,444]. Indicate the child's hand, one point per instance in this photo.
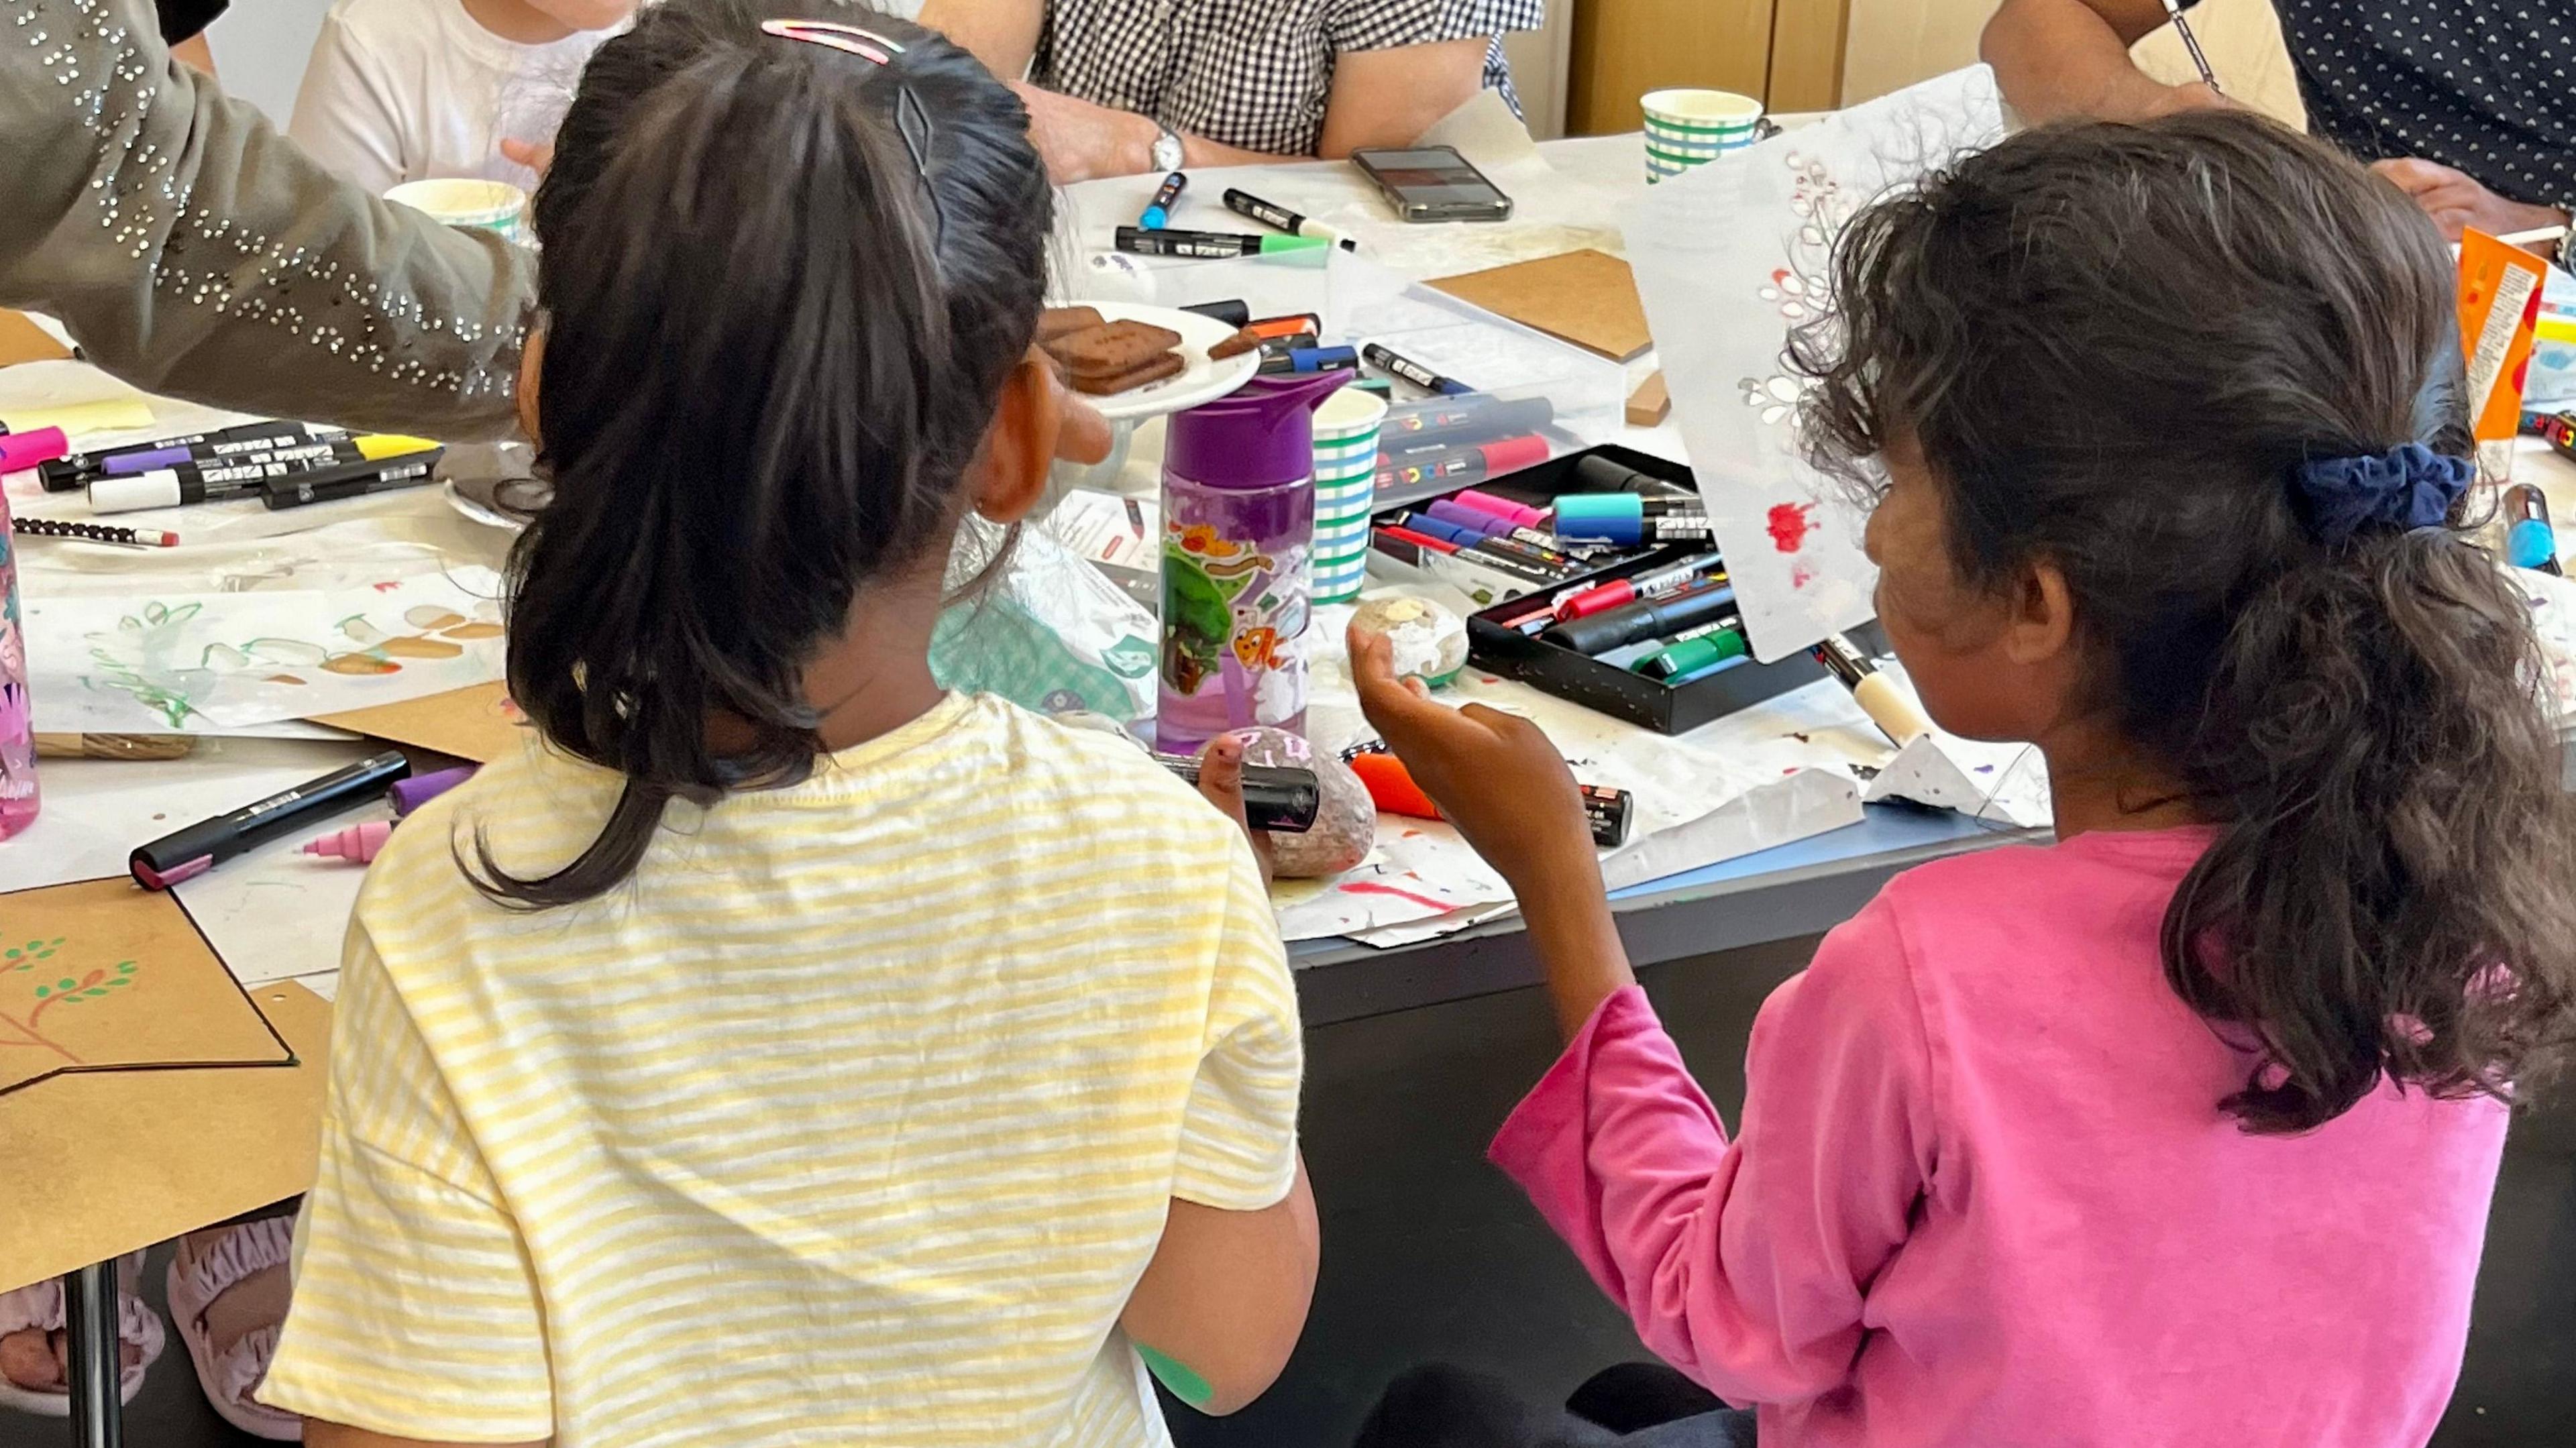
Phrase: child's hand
[1221,782]
[1494,776]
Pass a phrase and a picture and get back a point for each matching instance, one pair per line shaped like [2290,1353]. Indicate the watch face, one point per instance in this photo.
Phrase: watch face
[1167,152]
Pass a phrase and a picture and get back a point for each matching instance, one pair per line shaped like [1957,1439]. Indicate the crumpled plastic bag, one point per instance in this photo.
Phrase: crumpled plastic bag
[1047,631]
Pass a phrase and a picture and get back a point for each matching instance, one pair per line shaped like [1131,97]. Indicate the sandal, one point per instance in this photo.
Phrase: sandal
[31,1322]
[205,1267]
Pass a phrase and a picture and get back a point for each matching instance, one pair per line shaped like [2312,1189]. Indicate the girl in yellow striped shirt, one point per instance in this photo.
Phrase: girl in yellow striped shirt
[779,1049]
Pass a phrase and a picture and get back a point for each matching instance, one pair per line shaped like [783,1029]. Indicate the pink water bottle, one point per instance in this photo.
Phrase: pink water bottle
[18,800]
[1238,526]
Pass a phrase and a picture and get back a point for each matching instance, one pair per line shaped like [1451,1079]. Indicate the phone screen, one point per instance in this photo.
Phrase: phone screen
[1432,178]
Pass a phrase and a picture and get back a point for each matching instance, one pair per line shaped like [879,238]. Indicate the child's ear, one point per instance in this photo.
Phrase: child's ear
[531,362]
[2040,628]
[1019,447]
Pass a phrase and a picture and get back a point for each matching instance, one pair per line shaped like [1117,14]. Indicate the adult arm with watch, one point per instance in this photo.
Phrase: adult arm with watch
[1380,96]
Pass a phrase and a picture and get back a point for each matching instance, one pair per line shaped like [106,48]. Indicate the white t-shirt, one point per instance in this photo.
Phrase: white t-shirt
[403,90]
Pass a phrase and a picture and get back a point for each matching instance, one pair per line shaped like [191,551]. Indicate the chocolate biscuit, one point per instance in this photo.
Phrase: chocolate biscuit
[1113,349]
[1155,370]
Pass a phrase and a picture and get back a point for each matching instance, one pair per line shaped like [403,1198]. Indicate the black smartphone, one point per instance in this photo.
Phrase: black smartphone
[1433,183]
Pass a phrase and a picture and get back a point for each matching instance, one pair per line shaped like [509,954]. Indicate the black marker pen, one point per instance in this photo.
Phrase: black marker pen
[1146,241]
[323,485]
[1244,203]
[1386,359]
[1279,799]
[200,847]
[1601,632]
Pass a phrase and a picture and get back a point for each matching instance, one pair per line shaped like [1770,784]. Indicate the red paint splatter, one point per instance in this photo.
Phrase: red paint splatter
[1371,887]
[1800,575]
[1789,523]
[386,587]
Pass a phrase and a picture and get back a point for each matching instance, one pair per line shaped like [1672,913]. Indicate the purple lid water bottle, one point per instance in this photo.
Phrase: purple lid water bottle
[1238,525]
[18,798]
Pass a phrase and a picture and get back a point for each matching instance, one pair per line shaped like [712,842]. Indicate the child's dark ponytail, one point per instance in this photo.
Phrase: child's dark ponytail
[2184,363]
[784,282]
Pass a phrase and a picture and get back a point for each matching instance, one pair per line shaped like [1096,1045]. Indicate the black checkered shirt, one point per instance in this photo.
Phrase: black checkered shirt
[1249,73]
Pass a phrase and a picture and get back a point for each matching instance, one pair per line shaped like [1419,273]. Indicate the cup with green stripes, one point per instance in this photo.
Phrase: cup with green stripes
[1686,128]
[1346,429]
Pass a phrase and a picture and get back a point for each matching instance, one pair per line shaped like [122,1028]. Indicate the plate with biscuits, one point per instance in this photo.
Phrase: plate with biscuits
[1133,361]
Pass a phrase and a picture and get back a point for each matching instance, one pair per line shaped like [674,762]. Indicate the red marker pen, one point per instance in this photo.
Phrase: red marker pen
[1644,585]
[1473,464]
[1609,812]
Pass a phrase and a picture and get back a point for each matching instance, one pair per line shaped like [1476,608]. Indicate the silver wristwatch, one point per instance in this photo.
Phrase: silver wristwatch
[1167,154]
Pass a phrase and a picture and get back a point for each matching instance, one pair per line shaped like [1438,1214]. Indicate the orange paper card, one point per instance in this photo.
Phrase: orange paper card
[1588,298]
[24,341]
[1650,403]
[477,723]
[2499,311]
[101,976]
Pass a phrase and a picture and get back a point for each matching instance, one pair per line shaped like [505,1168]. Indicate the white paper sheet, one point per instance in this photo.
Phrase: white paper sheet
[193,663]
[97,810]
[1729,258]
[1758,778]
[278,913]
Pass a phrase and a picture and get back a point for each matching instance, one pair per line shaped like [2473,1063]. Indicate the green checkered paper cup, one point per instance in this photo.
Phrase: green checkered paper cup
[1686,128]
[1346,429]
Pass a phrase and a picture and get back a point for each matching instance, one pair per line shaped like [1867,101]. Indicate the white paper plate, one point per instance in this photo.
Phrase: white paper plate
[1199,381]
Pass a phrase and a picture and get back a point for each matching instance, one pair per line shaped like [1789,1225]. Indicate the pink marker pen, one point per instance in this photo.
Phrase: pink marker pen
[358,843]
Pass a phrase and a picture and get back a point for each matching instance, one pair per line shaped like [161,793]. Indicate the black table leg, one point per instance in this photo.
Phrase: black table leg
[97,1362]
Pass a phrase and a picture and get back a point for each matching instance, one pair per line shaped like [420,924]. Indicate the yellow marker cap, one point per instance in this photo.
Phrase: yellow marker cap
[380,445]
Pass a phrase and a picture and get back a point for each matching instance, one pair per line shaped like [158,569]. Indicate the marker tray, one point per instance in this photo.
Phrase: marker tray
[1537,487]
[1619,692]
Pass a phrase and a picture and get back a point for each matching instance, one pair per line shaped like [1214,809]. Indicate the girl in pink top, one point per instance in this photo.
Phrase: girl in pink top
[2181,1130]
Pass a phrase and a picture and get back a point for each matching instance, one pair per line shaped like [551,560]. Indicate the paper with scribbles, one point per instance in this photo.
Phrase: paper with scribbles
[1730,257]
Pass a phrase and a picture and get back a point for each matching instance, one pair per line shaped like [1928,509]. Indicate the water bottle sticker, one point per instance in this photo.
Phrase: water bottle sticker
[1223,616]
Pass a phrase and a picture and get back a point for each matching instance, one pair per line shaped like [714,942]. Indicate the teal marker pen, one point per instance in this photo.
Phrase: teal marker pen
[1708,644]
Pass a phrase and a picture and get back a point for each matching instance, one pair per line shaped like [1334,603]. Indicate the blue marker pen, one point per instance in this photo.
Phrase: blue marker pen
[1158,213]
[1315,359]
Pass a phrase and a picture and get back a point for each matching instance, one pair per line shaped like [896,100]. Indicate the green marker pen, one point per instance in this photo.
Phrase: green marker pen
[1159,242]
[1187,1386]
[1695,649]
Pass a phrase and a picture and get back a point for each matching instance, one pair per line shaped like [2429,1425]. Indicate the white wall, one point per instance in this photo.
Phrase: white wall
[260,47]
[1539,59]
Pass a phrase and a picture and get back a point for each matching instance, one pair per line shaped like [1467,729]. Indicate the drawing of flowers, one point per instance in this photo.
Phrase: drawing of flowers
[1801,290]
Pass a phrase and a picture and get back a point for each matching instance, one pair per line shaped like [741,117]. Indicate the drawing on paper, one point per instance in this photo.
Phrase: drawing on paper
[208,662]
[23,1007]
[1730,258]
[95,977]
[129,658]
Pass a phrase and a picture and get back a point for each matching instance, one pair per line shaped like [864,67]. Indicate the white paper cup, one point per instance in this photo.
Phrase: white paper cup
[1685,128]
[1714,111]
[495,206]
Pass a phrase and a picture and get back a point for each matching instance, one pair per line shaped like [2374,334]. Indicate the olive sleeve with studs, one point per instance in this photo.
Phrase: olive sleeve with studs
[193,250]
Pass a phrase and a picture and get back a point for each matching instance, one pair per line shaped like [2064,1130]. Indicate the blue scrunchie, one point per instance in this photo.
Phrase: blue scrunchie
[2408,486]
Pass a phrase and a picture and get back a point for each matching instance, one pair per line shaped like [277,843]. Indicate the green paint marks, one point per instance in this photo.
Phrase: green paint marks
[1187,1386]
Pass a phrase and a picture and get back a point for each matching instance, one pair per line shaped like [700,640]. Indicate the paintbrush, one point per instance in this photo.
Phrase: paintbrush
[114,746]
[2191,42]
